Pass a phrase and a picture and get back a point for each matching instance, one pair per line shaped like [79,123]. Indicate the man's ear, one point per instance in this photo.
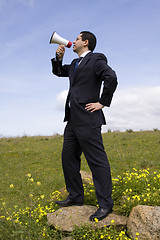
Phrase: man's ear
[86,43]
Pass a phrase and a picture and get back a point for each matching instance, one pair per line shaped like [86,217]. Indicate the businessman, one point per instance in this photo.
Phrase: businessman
[84,116]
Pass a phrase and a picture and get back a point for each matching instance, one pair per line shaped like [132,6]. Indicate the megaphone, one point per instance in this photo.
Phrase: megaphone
[55,38]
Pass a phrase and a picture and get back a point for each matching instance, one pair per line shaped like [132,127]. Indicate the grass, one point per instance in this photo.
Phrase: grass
[31,175]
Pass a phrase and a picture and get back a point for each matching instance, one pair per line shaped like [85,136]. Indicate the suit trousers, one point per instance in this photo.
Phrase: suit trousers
[86,139]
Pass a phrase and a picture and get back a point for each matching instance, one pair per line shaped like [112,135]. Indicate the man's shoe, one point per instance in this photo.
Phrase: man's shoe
[100,214]
[68,202]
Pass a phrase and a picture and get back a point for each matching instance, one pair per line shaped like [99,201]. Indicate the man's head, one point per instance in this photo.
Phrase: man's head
[84,42]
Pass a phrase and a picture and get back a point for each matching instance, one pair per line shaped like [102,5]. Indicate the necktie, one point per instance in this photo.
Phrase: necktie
[76,64]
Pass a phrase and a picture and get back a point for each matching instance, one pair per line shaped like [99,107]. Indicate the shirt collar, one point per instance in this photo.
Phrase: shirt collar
[85,53]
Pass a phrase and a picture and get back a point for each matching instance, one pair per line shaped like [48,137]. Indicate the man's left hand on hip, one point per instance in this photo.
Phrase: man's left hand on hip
[92,107]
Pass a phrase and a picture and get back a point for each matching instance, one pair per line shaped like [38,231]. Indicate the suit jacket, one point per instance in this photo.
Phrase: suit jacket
[85,87]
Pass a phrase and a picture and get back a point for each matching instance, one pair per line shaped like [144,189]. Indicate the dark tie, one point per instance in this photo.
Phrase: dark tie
[76,64]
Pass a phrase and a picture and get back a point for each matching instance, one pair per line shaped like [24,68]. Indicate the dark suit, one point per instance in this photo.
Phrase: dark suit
[83,130]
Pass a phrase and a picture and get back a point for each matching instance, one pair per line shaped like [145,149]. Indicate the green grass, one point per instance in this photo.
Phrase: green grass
[41,157]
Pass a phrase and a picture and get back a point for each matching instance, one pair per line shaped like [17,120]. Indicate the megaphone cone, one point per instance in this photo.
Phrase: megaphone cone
[55,38]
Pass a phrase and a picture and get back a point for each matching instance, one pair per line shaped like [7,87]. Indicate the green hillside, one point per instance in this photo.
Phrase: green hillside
[31,172]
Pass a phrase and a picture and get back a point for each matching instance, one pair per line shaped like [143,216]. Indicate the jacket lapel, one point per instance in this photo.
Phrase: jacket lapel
[79,68]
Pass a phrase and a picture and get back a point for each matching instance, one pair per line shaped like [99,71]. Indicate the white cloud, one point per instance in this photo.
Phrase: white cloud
[134,108]
[61,99]
[131,108]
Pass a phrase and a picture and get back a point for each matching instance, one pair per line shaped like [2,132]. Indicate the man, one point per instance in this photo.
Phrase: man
[83,111]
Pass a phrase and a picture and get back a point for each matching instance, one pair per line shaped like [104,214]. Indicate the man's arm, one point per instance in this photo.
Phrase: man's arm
[109,78]
[57,68]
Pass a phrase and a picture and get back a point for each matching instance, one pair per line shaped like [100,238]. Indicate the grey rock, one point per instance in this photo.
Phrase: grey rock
[66,218]
[144,220]
[86,177]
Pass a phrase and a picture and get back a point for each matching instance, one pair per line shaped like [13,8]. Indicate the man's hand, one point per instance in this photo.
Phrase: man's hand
[60,51]
[93,106]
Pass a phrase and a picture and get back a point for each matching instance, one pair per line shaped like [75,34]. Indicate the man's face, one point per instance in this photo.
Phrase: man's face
[78,44]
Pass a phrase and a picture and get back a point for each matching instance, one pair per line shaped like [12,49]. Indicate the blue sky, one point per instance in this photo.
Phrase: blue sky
[32,98]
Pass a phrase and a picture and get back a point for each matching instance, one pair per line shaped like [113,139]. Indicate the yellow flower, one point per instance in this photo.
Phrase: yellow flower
[30,195]
[112,221]
[11,186]
[38,184]
[102,236]
[32,180]
[42,196]
[137,234]
[29,175]
[96,220]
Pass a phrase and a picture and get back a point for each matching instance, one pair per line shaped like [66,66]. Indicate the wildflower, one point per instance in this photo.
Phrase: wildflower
[96,220]
[30,195]
[102,236]
[38,184]
[29,175]
[137,234]
[112,221]
[11,186]
[31,179]
[42,196]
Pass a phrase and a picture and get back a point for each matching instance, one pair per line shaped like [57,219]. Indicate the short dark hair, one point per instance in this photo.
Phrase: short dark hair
[86,35]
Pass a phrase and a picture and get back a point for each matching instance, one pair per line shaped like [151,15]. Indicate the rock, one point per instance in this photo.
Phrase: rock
[86,177]
[66,218]
[144,220]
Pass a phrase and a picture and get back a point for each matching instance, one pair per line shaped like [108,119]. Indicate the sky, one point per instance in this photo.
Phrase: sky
[32,99]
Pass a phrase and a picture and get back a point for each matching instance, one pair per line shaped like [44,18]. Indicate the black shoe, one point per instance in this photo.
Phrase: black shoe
[68,202]
[100,214]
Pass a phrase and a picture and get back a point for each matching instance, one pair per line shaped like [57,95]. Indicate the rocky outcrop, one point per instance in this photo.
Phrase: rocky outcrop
[145,221]
[66,218]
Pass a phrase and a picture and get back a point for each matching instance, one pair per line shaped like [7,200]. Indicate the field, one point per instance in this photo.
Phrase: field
[31,174]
